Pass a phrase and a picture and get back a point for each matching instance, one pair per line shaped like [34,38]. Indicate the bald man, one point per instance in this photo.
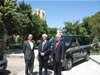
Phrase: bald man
[28,49]
[57,55]
[44,51]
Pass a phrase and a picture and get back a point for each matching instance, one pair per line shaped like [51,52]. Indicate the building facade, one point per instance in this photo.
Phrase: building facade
[40,12]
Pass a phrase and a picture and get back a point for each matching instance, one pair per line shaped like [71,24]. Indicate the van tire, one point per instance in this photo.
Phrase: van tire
[68,64]
[87,57]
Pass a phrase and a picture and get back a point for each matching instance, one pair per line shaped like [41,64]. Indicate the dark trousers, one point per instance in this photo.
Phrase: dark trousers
[29,66]
[43,64]
[57,68]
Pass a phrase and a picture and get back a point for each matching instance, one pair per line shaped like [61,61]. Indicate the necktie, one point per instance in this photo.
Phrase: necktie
[56,46]
[43,45]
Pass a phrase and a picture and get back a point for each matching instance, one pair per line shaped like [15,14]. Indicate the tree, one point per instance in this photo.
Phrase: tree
[84,27]
[94,25]
[96,44]
[71,28]
[25,19]
[39,27]
[8,13]
[52,32]
[30,23]
[25,9]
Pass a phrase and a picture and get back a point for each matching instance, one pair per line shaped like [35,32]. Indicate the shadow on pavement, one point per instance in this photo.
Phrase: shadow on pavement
[43,73]
[78,63]
[14,51]
[5,72]
[74,65]
[35,73]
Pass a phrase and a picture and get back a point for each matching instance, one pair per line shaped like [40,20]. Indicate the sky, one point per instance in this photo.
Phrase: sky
[60,11]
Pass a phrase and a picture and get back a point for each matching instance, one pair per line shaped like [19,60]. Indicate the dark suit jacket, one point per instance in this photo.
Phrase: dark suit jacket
[60,50]
[46,50]
[28,53]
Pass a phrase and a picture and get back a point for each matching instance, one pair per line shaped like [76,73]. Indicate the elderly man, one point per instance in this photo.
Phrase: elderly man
[28,49]
[44,51]
[57,55]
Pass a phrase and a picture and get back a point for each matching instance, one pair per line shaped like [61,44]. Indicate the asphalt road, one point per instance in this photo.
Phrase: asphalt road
[16,67]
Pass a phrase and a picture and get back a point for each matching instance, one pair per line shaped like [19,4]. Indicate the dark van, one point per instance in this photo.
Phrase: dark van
[76,48]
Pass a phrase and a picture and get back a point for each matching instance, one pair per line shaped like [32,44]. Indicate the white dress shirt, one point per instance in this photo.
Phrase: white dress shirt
[31,44]
[45,41]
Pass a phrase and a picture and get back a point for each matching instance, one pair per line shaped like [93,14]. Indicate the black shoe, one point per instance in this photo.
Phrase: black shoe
[26,74]
[31,73]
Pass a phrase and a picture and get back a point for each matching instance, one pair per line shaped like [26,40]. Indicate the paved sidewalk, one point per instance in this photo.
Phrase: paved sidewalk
[19,53]
[35,70]
[95,58]
[12,55]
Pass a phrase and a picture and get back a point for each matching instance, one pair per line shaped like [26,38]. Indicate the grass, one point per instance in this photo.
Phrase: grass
[92,52]
[14,46]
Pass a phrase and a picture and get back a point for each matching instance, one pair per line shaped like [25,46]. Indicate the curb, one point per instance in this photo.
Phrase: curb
[21,55]
[14,56]
[98,62]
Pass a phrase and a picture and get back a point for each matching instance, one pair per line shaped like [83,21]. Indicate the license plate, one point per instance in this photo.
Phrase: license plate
[1,67]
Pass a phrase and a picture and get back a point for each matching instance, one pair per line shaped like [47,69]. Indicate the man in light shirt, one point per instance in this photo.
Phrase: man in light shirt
[28,49]
[44,51]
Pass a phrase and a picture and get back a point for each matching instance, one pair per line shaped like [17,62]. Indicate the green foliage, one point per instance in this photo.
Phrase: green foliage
[19,40]
[18,20]
[24,19]
[95,25]
[8,12]
[84,27]
[71,28]
[52,32]
[96,45]
[90,27]
[38,27]
[29,23]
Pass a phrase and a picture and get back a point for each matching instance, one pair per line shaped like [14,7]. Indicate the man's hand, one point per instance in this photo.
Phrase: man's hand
[42,54]
[51,59]
[62,61]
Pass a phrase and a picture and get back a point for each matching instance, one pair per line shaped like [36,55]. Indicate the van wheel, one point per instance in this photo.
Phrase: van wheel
[87,57]
[68,64]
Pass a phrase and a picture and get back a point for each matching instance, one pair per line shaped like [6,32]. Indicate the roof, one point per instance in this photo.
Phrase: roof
[71,35]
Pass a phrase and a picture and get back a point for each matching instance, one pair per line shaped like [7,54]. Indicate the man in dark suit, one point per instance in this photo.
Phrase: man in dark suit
[57,55]
[44,51]
[28,49]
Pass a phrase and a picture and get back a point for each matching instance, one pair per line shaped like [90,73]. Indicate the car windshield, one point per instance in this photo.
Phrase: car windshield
[53,39]
[66,39]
